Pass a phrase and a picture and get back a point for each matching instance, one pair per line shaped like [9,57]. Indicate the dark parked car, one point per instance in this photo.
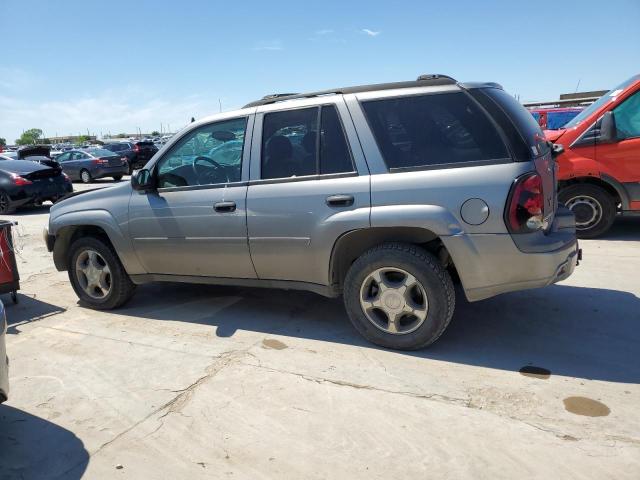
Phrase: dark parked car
[37,153]
[136,153]
[92,163]
[23,182]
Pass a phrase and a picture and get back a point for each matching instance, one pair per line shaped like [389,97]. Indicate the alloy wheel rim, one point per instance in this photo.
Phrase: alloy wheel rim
[587,210]
[93,274]
[394,301]
[85,176]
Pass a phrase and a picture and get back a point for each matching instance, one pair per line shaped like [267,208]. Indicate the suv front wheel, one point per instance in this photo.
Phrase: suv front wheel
[97,275]
[399,296]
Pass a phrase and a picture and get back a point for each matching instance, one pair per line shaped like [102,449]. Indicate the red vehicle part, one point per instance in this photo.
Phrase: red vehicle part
[599,170]
[9,278]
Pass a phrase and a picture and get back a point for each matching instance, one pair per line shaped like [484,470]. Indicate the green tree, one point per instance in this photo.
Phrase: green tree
[3,142]
[155,133]
[82,139]
[29,137]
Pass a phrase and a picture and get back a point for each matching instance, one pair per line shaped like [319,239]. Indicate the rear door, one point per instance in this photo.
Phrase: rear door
[309,184]
[621,159]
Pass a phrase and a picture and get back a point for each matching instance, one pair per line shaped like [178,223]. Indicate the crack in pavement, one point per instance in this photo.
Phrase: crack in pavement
[177,403]
[462,402]
[120,340]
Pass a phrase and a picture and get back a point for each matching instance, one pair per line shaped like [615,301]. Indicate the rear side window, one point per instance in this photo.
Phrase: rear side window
[428,130]
[293,146]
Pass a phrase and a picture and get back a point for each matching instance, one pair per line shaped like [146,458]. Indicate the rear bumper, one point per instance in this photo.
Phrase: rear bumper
[489,265]
[32,194]
[110,171]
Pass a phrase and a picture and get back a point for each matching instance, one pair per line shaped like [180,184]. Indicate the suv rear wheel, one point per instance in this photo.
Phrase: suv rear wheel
[398,296]
[593,207]
[97,275]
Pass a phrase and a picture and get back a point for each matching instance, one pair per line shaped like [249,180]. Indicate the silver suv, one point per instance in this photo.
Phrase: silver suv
[380,193]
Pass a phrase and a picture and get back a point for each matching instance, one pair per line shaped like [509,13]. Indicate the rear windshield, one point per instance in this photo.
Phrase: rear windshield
[527,126]
[428,130]
[100,152]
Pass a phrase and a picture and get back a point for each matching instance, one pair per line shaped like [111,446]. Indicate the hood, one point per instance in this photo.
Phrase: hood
[22,167]
[35,150]
[554,135]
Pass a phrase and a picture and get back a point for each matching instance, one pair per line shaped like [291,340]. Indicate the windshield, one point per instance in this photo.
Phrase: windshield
[607,97]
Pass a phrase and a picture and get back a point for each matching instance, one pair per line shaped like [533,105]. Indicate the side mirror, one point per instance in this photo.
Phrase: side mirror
[142,180]
[608,130]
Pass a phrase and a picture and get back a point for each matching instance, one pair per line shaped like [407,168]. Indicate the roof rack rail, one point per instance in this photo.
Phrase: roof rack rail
[423,80]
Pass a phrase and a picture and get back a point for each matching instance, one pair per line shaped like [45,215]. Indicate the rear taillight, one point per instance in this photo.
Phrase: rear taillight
[101,161]
[66,177]
[136,148]
[525,208]
[18,180]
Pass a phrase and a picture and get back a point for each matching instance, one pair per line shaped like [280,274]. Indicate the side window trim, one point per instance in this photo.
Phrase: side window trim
[256,147]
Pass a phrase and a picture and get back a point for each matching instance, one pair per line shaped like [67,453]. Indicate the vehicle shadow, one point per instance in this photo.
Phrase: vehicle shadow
[573,331]
[625,229]
[27,310]
[34,448]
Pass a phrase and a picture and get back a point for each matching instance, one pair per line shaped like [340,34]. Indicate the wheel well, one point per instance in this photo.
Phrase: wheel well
[593,181]
[67,235]
[353,244]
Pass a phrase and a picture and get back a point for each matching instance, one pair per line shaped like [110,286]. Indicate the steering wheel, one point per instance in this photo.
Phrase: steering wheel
[217,168]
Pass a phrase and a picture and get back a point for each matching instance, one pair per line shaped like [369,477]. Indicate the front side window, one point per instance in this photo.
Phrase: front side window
[208,155]
[627,116]
[293,146]
[426,130]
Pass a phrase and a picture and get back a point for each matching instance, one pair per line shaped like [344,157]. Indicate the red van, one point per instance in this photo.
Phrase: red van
[599,167]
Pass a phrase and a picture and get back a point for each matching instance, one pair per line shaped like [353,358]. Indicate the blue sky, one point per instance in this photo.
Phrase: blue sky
[67,66]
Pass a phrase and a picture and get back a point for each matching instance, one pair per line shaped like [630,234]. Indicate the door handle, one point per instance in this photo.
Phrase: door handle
[225,207]
[340,200]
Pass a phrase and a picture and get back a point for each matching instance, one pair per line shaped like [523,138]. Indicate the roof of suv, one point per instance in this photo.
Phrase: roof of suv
[429,80]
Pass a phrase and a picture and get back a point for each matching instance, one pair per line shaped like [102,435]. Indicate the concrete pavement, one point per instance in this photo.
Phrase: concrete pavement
[218,382]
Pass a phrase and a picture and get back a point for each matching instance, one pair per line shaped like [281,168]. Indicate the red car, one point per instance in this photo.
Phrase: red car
[599,168]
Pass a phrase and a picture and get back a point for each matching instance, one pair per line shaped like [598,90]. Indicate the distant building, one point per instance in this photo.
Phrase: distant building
[577,99]
[72,138]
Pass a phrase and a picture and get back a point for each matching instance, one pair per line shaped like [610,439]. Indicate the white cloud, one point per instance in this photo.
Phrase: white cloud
[371,33]
[272,45]
[114,111]
[324,31]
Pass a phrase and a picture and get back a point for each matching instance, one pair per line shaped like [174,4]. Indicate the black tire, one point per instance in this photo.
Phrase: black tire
[587,201]
[122,288]
[434,279]
[117,178]
[5,204]
[85,176]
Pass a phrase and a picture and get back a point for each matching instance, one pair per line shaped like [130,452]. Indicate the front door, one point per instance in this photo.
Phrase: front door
[305,191]
[621,159]
[195,223]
